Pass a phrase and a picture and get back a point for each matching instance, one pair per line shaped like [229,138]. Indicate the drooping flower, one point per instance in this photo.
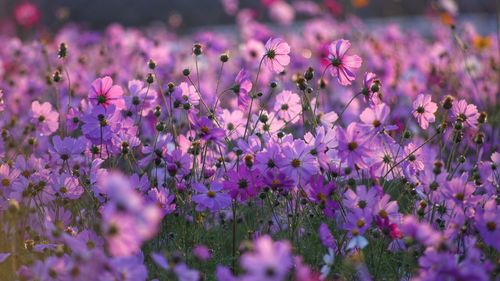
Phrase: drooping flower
[46,119]
[242,87]
[343,66]
[465,113]
[104,93]
[276,56]
[423,110]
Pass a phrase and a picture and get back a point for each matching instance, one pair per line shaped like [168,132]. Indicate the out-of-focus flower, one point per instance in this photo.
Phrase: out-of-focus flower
[27,14]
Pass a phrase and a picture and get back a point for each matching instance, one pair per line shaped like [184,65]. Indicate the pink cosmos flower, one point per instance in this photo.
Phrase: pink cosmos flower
[104,93]
[276,56]
[47,120]
[423,110]
[466,113]
[287,105]
[299,163]
[269,261]
[27,14]
[343,65]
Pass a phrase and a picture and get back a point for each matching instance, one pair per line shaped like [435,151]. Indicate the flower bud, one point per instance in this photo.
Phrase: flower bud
[309,74]
[479,138]
[197,50]
[63,51]
[224,58]
[447,102]
[56,77]
[150,78]
[483,116]
[151,64]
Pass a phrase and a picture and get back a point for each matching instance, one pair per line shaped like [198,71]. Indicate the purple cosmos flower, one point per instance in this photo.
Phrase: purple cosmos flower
[298,163]
[423,110]
[488,223]
[100,124]
[375,118]
[46,120]
[343,66]
[141,99]
[353,146]
[104,93]
[212,199]
[276,56]
[242,183]
[208,132]
[67,147]
[242,87]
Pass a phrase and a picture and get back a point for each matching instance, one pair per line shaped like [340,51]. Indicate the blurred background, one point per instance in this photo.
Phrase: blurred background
[186,14]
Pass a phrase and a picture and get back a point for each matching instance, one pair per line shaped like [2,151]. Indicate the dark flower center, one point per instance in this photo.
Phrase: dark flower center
[284,106]
[270,163]
[491,226]
[230,126]
[336,62]
[362,204]
[383,214]
[434,186]
[64,157]
[242,183]
[271,54]
[462,117]
[387,159]
[352,146]
[211,194]
[270,272]
[295,163]
[460,196]
[5,182]
[205,130]
[376,123]
[101,99]
[420,109]
[412,157]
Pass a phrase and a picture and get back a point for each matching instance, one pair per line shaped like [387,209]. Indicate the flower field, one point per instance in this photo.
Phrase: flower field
[324,150]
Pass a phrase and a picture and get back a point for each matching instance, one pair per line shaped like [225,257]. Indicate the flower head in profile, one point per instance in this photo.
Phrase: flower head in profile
[276,56]
[343,66]
[423,110]
[242,87]
[465,113]
[104,93]
[46,119]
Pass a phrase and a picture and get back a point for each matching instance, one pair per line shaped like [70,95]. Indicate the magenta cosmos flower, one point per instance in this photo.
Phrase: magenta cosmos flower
[276,56]
[104,93]
[47,120]
[343,65]
[423,110]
